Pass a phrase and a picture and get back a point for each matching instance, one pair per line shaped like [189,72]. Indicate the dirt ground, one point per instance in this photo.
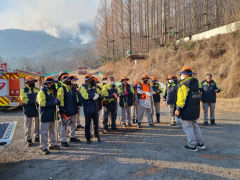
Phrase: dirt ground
[148,153]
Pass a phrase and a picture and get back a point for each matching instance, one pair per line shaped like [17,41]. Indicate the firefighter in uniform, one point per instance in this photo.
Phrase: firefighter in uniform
[78,123]
[90,96]
[110,95]
[69,102]
[188,108]
[126,99]
[157,90]
[170,98]
[101,85]
[47,99]
[135,107]
[145,90]
[28,97]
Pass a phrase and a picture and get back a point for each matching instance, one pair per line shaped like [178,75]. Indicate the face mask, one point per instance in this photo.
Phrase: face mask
[31,85]
[53,86]
[182,77]
[145,81]
[112,83]
[92,83]
[170,81]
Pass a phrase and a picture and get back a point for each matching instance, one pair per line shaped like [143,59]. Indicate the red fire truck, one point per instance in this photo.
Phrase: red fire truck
[11,83]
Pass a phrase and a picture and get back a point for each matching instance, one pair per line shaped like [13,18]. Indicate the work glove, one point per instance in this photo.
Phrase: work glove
[96,96]
[147,93]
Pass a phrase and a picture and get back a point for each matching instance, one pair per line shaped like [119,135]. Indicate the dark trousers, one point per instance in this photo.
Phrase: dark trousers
[88,118]
[113,117]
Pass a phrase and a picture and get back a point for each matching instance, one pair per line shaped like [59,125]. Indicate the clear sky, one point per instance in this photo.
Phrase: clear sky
[51,16]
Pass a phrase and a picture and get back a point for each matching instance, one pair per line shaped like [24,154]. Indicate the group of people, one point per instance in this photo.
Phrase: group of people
[61,100]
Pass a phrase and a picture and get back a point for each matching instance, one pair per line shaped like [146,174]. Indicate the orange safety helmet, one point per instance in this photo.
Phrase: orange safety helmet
[49,79]
[65,77]
[124,78]
[96,80]
[60,76]
[145,77]
[170,77]
[186,70]
[88,76]
[154,78]
[30,79]
[105,77]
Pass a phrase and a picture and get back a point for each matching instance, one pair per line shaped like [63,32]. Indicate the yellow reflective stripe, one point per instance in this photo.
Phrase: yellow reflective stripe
[23,97]
[41,98]
[160,88]
[164,91]
[182,96]
[60,96]
[84,93]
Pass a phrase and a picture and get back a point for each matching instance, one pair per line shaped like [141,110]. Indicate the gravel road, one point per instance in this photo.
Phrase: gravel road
[147,153]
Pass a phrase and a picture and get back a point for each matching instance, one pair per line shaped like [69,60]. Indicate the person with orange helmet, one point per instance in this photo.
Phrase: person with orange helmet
[90,95]
[69,102]
[188,108]
[30,108]
[135,106]
[170,98]
[103,83]
[157,90]
[75,85]
[47,99]
[110,95]
[145,90]
[126,99]
[104,80]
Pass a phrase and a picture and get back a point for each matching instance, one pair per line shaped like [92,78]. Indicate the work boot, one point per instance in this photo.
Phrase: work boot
[114,129]
[139,125]
[124,125]
[55,147]
[190,149]
[173,123]
[129,125]
[151,125]
[79,127]
[201,146]
[36,140]
[213,122]
[205,124]
[158,117]
[64,144]
[98,139]
[76,140]
[29,143]
[134,121]
[44,151]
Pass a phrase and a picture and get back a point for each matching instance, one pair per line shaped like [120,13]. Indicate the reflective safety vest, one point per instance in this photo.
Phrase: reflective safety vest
[28,97]
[146,88]
[46,100]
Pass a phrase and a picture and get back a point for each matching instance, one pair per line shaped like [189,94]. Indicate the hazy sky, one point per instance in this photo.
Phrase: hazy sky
[52,16]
